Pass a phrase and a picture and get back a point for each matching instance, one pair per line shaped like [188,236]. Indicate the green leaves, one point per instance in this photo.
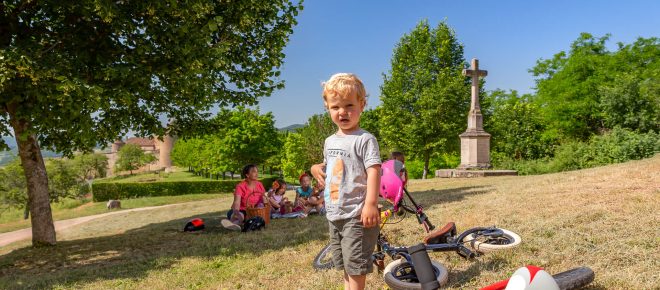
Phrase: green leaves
[590,89]
[425,99]
[131,157]
[240,136]
[83,73]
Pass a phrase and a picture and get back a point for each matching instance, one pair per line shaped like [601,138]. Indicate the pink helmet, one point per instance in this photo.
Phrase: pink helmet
[391,185]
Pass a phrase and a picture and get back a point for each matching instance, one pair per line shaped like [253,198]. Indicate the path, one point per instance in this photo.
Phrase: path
[24,234]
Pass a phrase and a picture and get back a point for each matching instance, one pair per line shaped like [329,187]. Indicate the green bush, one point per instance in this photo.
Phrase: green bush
[618,145]
[107,191]
[416,167]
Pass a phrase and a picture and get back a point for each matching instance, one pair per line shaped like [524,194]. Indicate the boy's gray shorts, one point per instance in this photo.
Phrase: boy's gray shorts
[352,245]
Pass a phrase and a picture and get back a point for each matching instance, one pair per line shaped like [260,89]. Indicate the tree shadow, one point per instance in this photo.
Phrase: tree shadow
[136,252]
[438,196]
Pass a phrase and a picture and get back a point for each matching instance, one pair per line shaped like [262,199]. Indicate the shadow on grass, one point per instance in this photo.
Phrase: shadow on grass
[437,196]
[159,246]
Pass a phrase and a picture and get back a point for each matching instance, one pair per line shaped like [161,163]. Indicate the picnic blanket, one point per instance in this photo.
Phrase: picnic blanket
[287,215]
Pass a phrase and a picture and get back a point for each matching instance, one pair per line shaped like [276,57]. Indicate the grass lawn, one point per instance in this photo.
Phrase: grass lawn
[605,218]
[178,175]
[12,220]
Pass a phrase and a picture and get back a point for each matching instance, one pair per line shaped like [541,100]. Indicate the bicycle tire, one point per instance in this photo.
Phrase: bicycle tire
[574,278]
[441,274]
[509,240]
[323,260]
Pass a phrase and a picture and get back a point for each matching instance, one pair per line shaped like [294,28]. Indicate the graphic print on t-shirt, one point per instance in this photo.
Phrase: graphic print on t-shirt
[335,175]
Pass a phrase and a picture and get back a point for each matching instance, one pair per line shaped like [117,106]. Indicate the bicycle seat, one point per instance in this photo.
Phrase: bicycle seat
[440,236]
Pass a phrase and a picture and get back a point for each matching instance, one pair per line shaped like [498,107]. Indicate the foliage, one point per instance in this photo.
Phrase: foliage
[109,190]
[78,73]
[66,181]
[425,98]
[245,136]
[13,190]
[240,136]
[91,165]
[616,146]
[131,157]
[515,126]
[316,130]
[294,158]
[590,90]
[632,100]
[416,167]
[567,87]
[304,148]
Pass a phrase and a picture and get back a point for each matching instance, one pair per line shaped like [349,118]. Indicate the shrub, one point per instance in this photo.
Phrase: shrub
[416,167]
[618,145]
[107,191]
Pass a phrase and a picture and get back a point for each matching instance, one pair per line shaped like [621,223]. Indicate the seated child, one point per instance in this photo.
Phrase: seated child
[305,196]
[276,199]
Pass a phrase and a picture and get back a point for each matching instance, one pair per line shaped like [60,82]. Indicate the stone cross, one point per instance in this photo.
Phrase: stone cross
[475,142]
[474,120]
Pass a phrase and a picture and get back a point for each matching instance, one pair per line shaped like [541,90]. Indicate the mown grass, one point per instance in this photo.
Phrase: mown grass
[605,218]
[155,177]
[178,174]
[12,220]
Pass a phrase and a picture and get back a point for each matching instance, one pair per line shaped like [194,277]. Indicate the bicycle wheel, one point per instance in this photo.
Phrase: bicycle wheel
[485,243]
[575,278]
[323,260]
[400,275]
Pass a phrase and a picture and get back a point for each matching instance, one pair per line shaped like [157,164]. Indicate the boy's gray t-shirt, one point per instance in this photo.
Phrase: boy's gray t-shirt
[347,158]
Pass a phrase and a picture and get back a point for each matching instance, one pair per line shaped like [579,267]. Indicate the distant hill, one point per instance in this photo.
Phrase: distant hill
[8,156]
[291,128]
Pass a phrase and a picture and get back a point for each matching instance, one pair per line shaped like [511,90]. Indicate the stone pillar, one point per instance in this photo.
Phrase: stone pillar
[475,142]
[166,146]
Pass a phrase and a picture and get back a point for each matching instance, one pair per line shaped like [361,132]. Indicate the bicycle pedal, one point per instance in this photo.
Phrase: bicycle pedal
[380,264]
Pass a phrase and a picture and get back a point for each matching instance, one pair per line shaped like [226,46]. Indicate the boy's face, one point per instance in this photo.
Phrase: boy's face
[345,111]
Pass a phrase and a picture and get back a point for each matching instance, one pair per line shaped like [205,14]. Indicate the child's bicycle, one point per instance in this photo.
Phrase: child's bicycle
[410,267]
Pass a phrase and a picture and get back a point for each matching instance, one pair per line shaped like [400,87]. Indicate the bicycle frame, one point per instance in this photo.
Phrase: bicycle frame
[453,244]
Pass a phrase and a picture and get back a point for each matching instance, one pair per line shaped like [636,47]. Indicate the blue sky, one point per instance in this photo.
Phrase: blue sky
[507,37]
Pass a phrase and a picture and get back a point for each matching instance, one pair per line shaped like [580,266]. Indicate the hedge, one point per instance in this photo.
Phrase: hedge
[107,191]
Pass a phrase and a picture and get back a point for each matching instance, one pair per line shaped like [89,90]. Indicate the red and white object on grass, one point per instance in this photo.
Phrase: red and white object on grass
[526,278]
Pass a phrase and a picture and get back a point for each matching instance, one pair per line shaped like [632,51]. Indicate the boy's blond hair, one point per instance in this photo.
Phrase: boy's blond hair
[344,84]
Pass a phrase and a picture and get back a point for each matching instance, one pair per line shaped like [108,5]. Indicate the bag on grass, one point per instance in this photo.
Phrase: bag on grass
[193,225]
[254,224]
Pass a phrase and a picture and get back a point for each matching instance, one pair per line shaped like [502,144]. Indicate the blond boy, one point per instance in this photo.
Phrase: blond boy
[350,173]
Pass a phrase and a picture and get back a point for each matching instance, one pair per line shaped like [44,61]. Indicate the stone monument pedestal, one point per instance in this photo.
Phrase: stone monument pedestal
[475,150]
[460,173]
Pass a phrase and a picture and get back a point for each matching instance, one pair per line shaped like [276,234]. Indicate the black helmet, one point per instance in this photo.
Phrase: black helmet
[254,224]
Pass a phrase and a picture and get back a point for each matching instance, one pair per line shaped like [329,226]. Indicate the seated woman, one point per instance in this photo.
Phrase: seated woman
[251,192]
[305,196]
[276,199]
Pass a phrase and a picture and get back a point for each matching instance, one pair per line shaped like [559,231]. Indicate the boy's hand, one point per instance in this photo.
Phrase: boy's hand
[318,171]
[370,215]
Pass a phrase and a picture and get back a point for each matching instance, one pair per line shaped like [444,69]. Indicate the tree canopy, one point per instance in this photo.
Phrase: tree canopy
[240,136]
[131,157]
[425,98]
[74,74]
[589,89]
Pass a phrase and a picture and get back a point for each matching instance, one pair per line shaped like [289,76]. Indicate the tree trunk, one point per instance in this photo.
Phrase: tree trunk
[426,165]
[43,229]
